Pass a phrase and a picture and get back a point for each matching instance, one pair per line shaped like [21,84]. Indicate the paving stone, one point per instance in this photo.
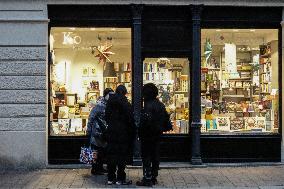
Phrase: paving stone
[221,178]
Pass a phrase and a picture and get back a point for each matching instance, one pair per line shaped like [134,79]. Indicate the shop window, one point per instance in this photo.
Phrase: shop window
[83,62]
[171,76]
[239,81]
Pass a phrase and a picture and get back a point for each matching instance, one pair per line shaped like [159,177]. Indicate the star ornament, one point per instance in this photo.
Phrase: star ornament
[103,52]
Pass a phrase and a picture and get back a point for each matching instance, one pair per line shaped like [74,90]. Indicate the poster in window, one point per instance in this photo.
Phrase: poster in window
[237,124]
[85,72]
[251,123]
[92,71]
[63,125]
[261,123]
[203,125]
[76,125]
[71,99]
[63,112]
[223,123]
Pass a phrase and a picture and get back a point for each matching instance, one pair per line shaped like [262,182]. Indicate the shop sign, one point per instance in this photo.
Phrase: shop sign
[69,39]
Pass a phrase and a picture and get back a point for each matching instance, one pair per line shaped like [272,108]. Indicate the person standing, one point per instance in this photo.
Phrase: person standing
[154,120]
[120,136]
[95,130]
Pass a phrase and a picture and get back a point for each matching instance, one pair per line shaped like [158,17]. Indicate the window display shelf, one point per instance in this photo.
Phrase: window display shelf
[236,79]
[234,96]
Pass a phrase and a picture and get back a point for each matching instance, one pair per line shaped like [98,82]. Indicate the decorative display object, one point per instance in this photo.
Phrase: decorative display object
[207,50]
[103,52]
[211,124]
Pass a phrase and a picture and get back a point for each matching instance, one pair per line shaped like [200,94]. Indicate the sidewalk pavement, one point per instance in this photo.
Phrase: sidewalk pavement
[261,177]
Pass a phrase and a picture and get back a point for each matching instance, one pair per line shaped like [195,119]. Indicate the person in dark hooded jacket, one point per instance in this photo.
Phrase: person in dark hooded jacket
[119,135]
[95,130]
[154,118]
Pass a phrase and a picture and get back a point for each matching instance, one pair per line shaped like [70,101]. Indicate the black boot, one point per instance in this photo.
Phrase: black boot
[96,170]
[154,181]
[144,182]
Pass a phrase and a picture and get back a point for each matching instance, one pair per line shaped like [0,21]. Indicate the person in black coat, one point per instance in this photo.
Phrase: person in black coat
[120,135]
[154,118]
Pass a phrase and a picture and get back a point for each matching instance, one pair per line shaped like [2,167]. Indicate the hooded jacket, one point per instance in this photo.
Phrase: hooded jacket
[97,124]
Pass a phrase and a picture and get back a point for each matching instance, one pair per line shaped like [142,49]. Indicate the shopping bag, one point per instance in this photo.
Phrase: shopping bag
[88,156]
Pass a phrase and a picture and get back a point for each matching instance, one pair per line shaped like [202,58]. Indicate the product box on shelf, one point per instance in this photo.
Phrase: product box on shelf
[223,123]
[63,125]
[237,124]
[63,112]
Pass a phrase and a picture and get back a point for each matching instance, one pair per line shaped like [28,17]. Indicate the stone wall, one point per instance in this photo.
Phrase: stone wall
[23,84]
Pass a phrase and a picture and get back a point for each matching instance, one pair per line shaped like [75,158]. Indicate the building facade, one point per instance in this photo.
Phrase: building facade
[218,66]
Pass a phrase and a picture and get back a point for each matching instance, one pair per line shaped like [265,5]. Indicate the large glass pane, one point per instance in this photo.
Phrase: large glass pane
[84,62]
[171,76]
[239,86]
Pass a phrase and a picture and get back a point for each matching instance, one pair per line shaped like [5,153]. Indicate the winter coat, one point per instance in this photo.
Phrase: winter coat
[97,124]
[120,133]
[153,118]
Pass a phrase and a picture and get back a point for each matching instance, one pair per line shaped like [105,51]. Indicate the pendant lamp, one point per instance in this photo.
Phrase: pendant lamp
[109,70]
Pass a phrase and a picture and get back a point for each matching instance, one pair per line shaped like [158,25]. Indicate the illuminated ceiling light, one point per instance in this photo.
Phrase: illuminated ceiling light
[72,28]
[218,30]
[93,29]
[235,30]
[252,30]
[113,29]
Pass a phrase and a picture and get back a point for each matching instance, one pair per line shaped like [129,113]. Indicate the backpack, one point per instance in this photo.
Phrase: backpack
[167,125]
[162,124]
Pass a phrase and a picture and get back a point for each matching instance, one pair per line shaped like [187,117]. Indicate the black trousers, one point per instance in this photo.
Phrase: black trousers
[98,165]
[114,167]
[151,158]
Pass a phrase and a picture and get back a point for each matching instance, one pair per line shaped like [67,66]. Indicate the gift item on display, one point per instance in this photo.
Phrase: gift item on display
[237,124]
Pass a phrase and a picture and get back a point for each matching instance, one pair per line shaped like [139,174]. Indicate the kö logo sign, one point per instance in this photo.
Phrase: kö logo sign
[69,39]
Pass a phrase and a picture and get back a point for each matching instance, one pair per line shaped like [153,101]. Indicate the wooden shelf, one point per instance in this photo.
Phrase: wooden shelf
[235,87]
[265,56]
[180,91]
[234,96]
[247,78]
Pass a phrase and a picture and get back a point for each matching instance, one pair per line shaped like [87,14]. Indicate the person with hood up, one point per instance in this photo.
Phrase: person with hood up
[120,136]
[96,129]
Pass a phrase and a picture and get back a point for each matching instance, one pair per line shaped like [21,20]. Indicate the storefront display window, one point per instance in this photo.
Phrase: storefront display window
[239,81]
[83,62]
[171,76]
